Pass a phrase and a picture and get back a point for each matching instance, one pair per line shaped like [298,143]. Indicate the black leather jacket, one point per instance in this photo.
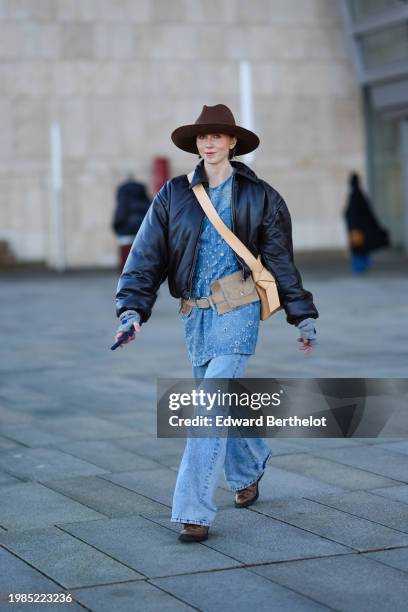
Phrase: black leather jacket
[166,244]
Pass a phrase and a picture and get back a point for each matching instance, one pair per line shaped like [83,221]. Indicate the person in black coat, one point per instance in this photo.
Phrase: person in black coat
[364,231]
[132,203]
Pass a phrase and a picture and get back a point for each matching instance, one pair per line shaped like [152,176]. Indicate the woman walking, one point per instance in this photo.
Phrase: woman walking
[177,241]
[364,232]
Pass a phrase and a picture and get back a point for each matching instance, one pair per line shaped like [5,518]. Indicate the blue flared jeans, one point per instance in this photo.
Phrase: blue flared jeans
[242,460]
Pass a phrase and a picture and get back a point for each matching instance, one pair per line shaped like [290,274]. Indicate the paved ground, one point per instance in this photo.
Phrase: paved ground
[86,487]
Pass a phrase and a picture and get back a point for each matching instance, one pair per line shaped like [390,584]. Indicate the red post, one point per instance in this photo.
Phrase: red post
[161,172]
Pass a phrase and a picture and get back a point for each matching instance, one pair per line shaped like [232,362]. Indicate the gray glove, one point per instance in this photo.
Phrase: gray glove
[127,319]
[307,331]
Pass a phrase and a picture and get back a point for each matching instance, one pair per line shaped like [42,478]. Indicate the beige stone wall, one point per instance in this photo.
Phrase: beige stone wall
[120,75]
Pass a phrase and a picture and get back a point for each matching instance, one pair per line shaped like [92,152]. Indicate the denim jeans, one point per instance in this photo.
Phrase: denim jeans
[360,263]
[243,460]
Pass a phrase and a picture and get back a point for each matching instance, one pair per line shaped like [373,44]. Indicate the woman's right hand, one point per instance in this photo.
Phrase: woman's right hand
[132,337]
[128,320]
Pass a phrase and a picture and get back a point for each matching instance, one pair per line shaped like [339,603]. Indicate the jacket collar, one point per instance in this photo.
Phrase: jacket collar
[240,168]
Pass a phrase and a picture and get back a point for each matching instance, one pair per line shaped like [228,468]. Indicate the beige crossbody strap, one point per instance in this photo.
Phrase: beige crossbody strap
[230,238]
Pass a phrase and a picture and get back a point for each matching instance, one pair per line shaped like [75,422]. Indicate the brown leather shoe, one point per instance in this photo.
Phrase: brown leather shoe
[193,533]
[249,495]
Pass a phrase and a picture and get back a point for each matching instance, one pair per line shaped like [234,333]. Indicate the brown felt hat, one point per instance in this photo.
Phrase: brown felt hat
[212,119]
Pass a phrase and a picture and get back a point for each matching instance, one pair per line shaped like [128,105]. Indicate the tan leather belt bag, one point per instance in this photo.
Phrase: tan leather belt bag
[227,293]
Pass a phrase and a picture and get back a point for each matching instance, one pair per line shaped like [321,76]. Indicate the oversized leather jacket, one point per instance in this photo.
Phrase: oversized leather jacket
[167,243]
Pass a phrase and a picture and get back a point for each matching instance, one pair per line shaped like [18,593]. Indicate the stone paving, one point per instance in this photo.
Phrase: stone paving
[86,487]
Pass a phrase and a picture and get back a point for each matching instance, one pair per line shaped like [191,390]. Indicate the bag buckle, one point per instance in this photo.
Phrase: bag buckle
[211,302]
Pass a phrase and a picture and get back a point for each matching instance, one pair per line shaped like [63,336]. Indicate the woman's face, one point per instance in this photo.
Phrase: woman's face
[215,148]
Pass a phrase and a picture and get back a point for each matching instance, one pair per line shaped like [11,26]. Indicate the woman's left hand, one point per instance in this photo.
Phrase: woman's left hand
[308,335]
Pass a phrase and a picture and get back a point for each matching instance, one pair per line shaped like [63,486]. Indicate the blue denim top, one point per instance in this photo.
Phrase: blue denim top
[207,333]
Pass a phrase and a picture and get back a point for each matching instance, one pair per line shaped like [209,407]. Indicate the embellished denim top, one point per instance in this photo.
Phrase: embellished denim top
[207,333]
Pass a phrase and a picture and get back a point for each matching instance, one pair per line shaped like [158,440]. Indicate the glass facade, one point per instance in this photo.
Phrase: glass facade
[385,46]
[378,31]
[363,9]
[386,181]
